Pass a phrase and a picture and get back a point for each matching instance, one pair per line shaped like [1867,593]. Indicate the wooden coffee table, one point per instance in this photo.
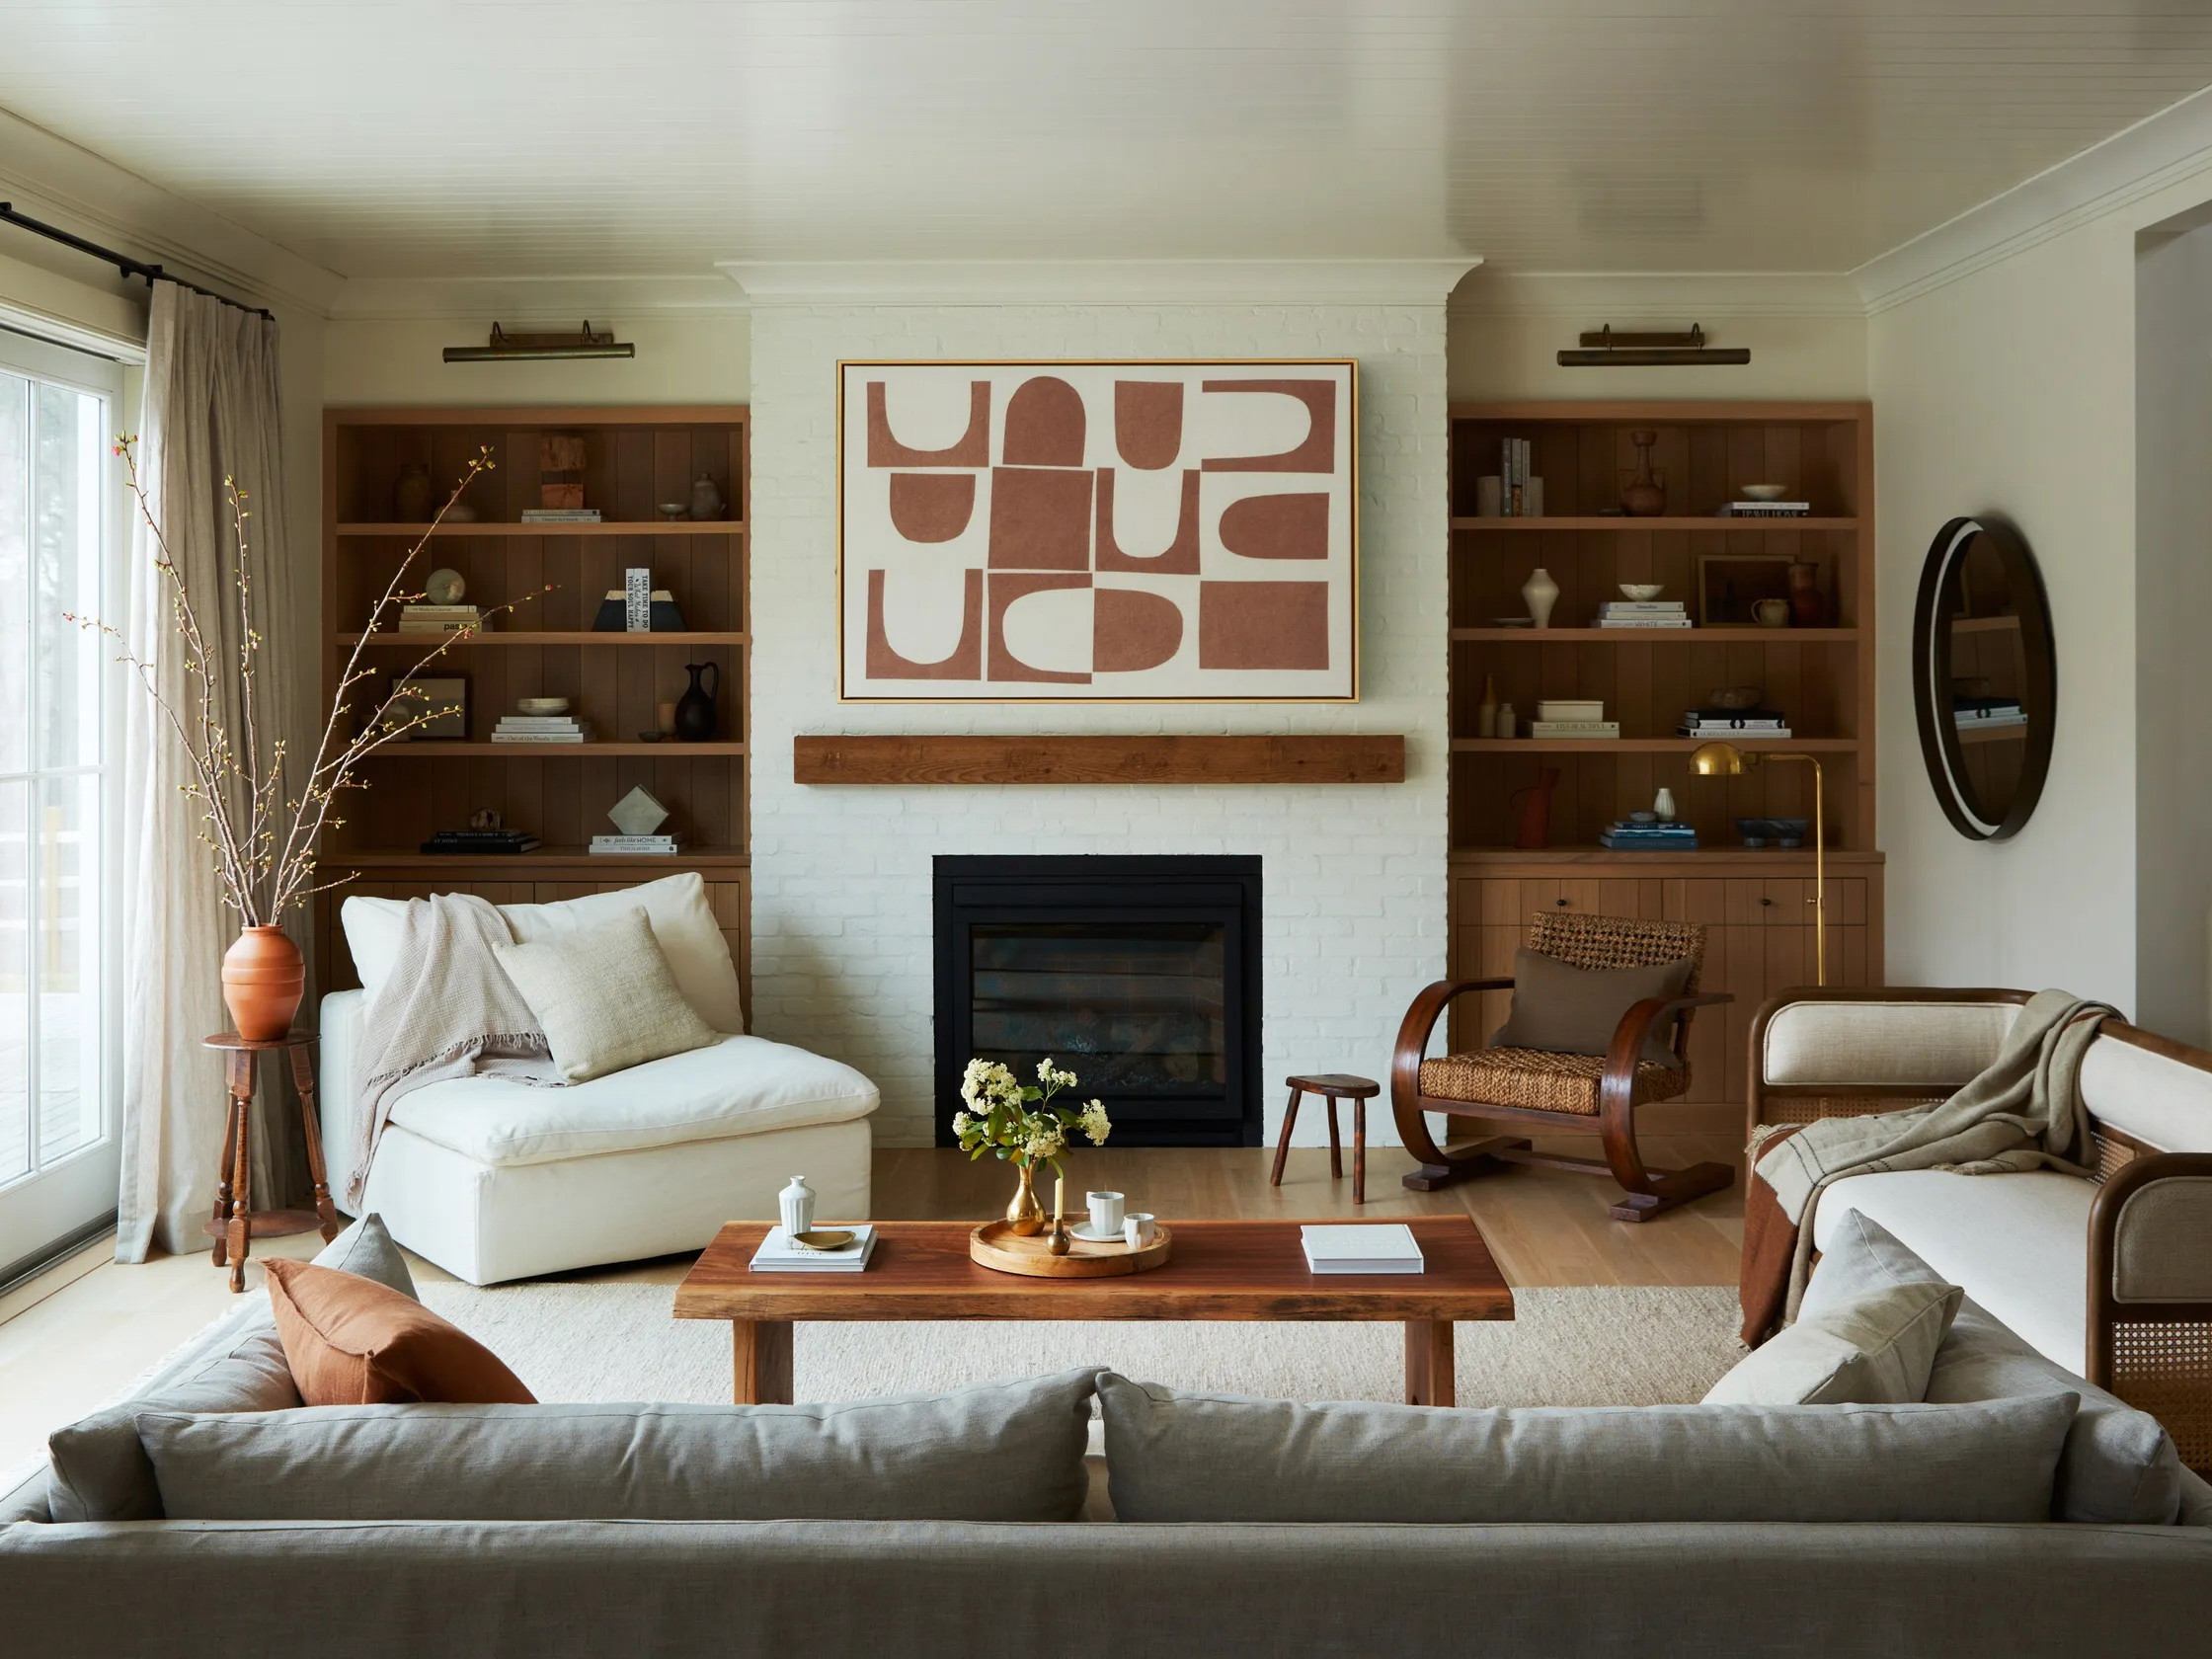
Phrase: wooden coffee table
[1221,1270]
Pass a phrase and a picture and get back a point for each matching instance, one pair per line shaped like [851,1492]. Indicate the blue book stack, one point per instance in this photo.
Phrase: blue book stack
[1648,837]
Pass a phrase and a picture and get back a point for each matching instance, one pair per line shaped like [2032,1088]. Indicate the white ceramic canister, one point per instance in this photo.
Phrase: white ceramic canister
[797,1203]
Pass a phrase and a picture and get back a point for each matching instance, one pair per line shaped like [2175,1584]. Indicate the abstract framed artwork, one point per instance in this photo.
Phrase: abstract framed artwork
[1101,531]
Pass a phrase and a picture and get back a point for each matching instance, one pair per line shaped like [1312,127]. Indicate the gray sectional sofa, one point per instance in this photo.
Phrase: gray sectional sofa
[1246,1527]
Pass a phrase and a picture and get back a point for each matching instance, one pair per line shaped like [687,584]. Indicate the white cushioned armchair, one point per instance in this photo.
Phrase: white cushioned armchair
[2110,1278]
[495,1180]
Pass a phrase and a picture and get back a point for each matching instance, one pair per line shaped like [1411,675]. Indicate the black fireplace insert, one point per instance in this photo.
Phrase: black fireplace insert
[1142,976]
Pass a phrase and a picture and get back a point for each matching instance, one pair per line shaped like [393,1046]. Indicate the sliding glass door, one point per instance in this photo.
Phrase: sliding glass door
[58,532]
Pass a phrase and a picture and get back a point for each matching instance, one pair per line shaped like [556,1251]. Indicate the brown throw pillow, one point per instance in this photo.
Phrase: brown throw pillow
[1565,1009]
[350,1341]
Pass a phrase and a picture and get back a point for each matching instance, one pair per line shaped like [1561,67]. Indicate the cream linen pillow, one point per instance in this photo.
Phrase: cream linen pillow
[1877,1348]
[604,998]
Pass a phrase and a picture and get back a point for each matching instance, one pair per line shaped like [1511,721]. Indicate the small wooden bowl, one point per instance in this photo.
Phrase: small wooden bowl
[996,1246]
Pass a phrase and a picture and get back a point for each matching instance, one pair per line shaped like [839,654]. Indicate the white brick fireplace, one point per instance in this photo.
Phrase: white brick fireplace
[1354,920]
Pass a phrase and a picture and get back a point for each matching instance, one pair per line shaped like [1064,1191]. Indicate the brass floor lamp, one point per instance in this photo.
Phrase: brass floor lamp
[1726,760]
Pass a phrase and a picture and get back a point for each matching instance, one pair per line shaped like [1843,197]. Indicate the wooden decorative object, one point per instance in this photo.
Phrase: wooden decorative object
[627,461]
[1331,1086]
[1315,758]
[997,1247]
[234,1224]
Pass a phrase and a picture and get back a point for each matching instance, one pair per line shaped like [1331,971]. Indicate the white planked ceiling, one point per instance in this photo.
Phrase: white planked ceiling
[397,138]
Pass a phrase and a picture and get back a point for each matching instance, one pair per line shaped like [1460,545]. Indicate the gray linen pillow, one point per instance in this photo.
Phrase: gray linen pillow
[2120,1465]
[1000,1452]
[1875,1348]
[605,996]
[99,1472]
[1175,1457]
[1565,1009]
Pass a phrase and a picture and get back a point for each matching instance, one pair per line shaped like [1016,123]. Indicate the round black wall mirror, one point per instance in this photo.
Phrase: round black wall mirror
[1985,677]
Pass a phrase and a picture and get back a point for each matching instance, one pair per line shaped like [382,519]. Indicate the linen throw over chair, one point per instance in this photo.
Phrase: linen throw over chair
[1562,1093]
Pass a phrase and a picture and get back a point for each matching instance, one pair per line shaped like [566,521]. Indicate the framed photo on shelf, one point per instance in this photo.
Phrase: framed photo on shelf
[443,697]
[1732,585]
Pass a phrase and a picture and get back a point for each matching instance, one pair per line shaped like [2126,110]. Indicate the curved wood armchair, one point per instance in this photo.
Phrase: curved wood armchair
[1572,1094]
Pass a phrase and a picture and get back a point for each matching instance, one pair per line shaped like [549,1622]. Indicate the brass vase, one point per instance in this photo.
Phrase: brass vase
[1025,1217]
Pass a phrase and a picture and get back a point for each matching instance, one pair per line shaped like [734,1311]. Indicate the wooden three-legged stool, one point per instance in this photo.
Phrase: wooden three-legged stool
[1332,1086]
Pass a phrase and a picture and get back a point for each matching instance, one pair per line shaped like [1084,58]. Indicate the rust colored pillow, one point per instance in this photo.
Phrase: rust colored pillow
[350,1341]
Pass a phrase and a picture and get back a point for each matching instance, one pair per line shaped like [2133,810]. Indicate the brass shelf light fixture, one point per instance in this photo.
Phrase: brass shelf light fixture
[1607,350]
[538,347]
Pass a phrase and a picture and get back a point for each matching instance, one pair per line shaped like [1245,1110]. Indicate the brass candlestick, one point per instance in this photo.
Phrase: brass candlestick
[1726,760]
[1058,1244]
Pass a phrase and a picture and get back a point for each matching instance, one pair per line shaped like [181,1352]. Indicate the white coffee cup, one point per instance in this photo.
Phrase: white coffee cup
[1105,1212]
[1140,1228]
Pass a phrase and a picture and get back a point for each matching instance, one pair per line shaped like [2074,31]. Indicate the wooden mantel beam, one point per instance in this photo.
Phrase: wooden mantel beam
[903,759]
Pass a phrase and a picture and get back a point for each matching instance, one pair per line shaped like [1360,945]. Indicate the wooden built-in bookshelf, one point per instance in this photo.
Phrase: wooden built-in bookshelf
[1752,901]
[636,459]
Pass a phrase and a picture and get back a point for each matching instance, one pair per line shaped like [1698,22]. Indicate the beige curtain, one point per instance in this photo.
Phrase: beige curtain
[211,411]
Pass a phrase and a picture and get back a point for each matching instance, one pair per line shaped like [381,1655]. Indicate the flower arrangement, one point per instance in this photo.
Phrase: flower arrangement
[1017,1122]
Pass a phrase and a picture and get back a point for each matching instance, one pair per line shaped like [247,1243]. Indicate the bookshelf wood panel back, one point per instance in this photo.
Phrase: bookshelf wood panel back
[636,459]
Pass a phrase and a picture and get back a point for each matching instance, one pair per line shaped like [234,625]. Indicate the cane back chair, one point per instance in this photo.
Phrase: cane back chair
[1560,1093]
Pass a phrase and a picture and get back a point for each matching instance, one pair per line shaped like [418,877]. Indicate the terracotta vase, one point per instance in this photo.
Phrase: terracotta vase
[1807,610]
[264,980]
[1025,1217]
[1645,495]
[1536,811]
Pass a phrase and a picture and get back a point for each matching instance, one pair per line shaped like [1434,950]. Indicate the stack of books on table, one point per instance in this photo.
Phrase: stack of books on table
[778,1254]
[437,619]
[1387,1247]
[1767,510]
[560,515]
[634,846]
[541,728]
[487,843]
[1654,836]
[1575,718]
[1973,714]
[1642,613]
[1734,723]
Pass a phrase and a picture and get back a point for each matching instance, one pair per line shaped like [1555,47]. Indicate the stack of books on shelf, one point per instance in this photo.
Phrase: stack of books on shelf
[1974,714]
[1655,837]
[1515,498]
[778,1254]
[541,728]
[634,846]
[1576,718]
[1734,723]
[1642,613]
[437,619]
[1767,510]
[560,515]
[481,841]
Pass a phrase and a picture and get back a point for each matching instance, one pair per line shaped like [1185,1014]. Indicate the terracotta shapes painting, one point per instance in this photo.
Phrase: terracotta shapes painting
[1110,532]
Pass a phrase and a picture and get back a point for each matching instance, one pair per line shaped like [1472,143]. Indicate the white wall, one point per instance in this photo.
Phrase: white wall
[2002,359]
[2172,599]
[1353,877]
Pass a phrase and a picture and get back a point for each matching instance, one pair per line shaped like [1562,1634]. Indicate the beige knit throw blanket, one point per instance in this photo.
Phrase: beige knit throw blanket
[446,1010]
[2023,1112]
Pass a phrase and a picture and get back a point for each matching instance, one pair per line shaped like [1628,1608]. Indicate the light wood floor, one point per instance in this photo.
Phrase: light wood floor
[80,1334]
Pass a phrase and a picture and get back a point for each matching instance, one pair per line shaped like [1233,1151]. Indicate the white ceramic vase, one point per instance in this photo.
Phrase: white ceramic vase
[796,1202]
[1540,593]
[1663,804]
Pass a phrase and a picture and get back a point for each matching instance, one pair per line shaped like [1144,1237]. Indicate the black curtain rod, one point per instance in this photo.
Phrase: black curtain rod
[121,261]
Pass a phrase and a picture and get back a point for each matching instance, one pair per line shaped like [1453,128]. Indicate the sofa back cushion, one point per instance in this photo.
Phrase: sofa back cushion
[1000,1452]
[677,906]
[2119,1463]
[1903,1043]
[1175,1457]
[99,1471]
[2164,1103]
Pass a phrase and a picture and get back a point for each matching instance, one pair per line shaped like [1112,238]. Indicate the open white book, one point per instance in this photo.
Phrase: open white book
[777,1254]
[1370,1247]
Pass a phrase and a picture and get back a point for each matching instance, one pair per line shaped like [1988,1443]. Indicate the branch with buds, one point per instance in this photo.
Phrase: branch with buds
[262,837]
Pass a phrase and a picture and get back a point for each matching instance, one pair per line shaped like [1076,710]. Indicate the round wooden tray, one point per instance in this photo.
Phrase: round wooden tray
[994,1246]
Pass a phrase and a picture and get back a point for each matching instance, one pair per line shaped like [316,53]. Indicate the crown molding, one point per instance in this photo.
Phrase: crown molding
[1239,283]
[51,178]
[2137,161]
[559,302]
[1675,298]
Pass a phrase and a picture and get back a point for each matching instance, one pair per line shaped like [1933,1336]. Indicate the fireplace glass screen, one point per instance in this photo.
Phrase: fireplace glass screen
[1132,1008]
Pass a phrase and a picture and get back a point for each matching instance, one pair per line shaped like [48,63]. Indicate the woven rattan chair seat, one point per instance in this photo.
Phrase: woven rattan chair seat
[1539,1080]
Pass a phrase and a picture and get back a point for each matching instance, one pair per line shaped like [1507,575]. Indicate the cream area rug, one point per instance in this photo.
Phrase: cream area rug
[1582,1346]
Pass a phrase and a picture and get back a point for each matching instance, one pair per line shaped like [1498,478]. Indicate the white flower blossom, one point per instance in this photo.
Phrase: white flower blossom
[1095,1123]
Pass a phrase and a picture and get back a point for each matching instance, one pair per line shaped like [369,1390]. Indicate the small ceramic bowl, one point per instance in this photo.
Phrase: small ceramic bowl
[1764,492]
[676,509]
[542,707]
[1642,591]
[1734,696]
[650,736]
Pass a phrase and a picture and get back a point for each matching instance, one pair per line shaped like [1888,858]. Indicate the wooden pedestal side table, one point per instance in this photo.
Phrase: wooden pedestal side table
[235,1223]
[1332,1086]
